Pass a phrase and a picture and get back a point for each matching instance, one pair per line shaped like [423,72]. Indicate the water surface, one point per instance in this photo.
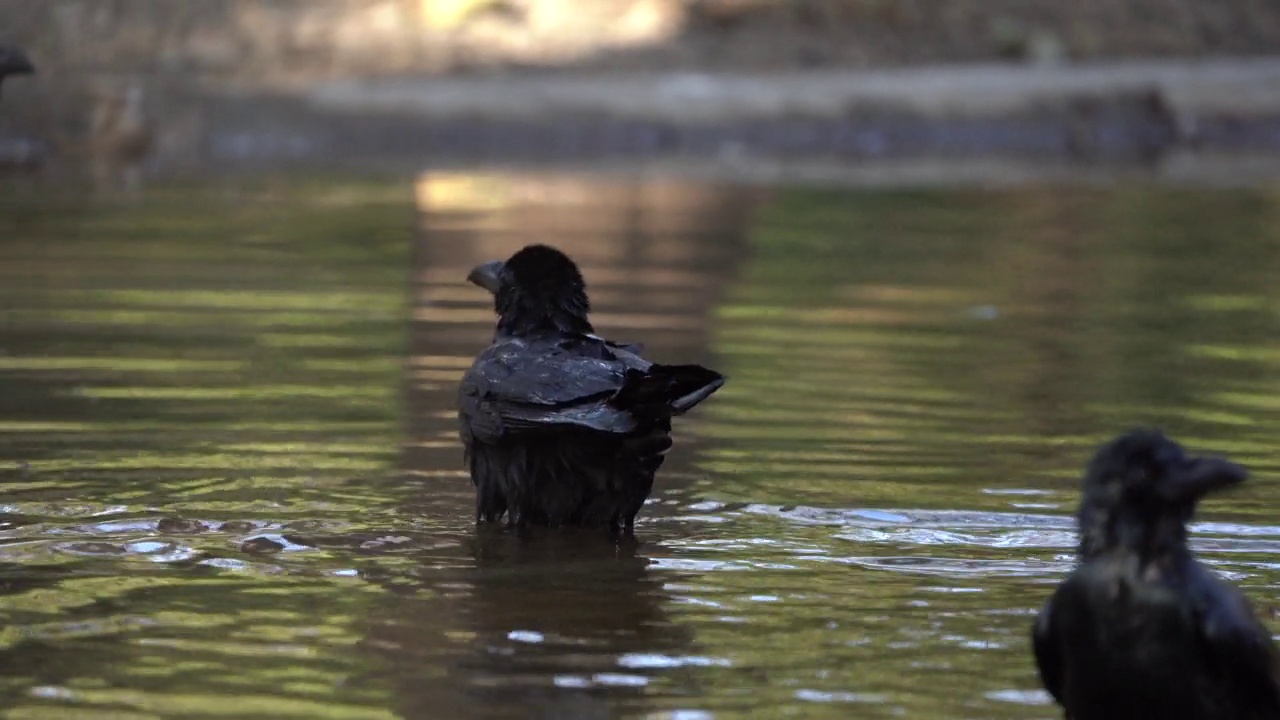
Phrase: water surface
[232,488]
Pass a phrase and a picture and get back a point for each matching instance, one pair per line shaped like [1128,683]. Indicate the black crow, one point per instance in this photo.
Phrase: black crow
[560,426]
[14,62]
[1140,629]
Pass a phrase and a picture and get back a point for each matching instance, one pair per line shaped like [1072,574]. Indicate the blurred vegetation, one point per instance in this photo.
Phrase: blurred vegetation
[261,39]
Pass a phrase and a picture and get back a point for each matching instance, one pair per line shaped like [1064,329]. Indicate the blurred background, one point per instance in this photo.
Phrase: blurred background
[821,89]
[941,249]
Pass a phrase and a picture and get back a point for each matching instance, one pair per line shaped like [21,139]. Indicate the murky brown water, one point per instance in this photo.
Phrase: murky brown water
[231,484]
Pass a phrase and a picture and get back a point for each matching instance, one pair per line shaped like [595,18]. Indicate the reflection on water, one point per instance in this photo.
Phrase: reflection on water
[232,484]
[535,627]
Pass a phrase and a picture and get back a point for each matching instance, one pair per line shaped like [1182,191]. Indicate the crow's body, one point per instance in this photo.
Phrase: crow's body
[560,426]
[1140,629]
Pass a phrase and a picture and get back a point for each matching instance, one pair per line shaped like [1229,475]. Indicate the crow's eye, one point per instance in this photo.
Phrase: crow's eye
[1167,457]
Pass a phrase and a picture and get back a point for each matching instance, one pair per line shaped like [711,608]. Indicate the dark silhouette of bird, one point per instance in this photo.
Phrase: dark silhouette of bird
[1140,629]
[14,62]
[562,427]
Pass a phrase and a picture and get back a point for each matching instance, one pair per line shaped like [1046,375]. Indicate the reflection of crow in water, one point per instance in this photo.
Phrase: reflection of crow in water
[14,62]
[562,427]
[1140,629]
[500,625]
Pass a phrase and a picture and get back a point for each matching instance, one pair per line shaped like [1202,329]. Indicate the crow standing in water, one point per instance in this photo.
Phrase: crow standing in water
[1140,629]
[560,426]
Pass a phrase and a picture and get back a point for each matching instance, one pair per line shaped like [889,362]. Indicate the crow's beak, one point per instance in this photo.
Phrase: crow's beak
[487,276]
[15,62]
[1201,476]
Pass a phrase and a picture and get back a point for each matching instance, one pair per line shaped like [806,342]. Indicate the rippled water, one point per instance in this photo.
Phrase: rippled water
[231,484]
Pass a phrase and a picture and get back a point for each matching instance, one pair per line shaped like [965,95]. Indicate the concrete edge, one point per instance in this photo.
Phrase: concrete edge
[1238,86]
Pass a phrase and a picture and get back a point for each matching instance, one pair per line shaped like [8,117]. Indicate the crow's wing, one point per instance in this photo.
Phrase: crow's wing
[1236,642]
[518,386]
[1044,641]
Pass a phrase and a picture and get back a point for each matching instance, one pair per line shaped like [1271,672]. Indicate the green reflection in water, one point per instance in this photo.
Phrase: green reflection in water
[960,330]
[226,363]
[961,350]
[213,506]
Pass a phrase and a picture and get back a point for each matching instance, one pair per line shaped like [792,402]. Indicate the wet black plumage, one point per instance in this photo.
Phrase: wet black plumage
[1140,629]
[560,426]
[14,62]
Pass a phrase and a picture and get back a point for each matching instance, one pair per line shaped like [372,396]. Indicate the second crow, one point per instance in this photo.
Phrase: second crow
[1141,629]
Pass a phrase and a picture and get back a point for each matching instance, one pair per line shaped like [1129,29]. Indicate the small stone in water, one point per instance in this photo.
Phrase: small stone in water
[261,545]
[179,525]
[237,526]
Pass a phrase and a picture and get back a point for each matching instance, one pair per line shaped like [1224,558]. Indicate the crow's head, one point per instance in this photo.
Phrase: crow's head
[538,289]
[1140,491]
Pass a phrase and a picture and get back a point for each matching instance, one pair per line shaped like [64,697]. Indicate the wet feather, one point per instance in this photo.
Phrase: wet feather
[562,427]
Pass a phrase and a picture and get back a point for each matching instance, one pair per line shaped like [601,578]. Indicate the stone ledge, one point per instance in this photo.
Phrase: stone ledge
[1186,88]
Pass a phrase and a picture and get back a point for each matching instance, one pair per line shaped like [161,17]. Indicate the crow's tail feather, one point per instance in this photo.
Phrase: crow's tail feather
[666,389]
